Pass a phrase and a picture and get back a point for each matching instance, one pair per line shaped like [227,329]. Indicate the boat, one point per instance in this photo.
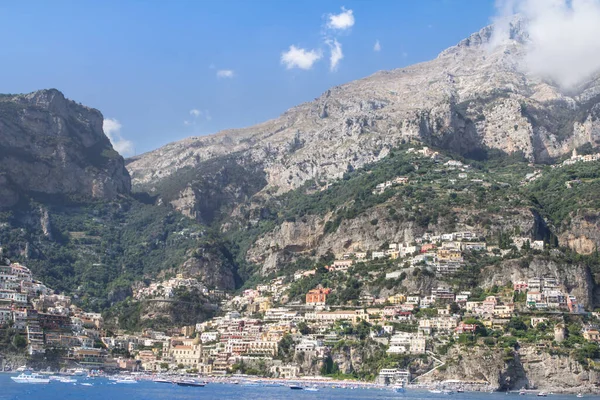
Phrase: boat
[312,389]
[579,395]
[162,381]
[79,372]
[22,369]
[86,384]
[542,394]
[125,380]
[30,378]
[296,387]
[190,383]
[435,391]
[65,379]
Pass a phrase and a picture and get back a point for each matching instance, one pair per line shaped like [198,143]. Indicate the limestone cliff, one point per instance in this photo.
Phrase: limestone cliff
[473,97]
[53,146]
[529,367]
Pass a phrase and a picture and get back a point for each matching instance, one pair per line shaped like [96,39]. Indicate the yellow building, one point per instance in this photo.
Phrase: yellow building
[188,355]
[264,306]
[397,299]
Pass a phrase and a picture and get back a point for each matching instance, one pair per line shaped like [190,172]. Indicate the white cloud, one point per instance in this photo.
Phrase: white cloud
[341,21]
[300,58]
[197,115]
[336,54]
[225,73]
[112,129]
[377,46]
[563,37]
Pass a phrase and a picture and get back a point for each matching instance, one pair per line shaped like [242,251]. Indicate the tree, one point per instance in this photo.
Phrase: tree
[303,328]
[19,342]
[454,308]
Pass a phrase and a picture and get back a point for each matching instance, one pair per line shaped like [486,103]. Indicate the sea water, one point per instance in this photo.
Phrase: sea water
[104,389]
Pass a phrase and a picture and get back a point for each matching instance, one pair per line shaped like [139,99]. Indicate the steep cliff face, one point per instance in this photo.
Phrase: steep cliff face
[574,278]
[583,234]
[53,146]
[529,367]
[370,230]
[473,97]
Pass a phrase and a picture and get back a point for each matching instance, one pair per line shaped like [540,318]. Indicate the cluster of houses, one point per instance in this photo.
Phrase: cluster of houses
[45,319]
[546,293]
[443,254]
[575,158]
[166,289]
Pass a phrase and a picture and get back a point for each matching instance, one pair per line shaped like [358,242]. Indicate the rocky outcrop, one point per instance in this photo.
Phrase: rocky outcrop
[583,234]
[367,231]
[473,97]
[53,146]
[208,268]
[529,368]
[575,279]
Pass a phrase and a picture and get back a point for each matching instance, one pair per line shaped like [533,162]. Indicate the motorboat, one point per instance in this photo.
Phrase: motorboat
[22,368]
[542,394]
[79,372]
[296,387]
[312,389]
[65,379]
[126,380]
[579,395]
[159,380]
[190,383]
[30,378]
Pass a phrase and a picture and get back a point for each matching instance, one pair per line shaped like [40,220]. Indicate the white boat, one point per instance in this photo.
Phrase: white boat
[579,395]
[542,394]
[312,389]
[126,380]
[30,378]
[64,379]
[87,384]
[22,369]
[80,372]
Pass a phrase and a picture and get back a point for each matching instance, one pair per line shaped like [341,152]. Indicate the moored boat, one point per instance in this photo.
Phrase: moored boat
[190,383]
[30,378]
[296,387]
[159,380]
[126,380]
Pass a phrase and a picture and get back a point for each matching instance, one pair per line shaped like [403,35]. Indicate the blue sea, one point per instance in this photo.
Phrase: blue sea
[103,389]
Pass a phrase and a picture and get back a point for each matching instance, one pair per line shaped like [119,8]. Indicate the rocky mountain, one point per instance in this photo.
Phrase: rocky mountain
[53,146]
[67,211]
[472,99]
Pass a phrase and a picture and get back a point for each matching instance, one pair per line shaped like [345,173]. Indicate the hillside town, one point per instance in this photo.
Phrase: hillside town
[282,337]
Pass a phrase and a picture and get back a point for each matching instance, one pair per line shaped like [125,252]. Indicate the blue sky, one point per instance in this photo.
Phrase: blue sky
[148,64]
